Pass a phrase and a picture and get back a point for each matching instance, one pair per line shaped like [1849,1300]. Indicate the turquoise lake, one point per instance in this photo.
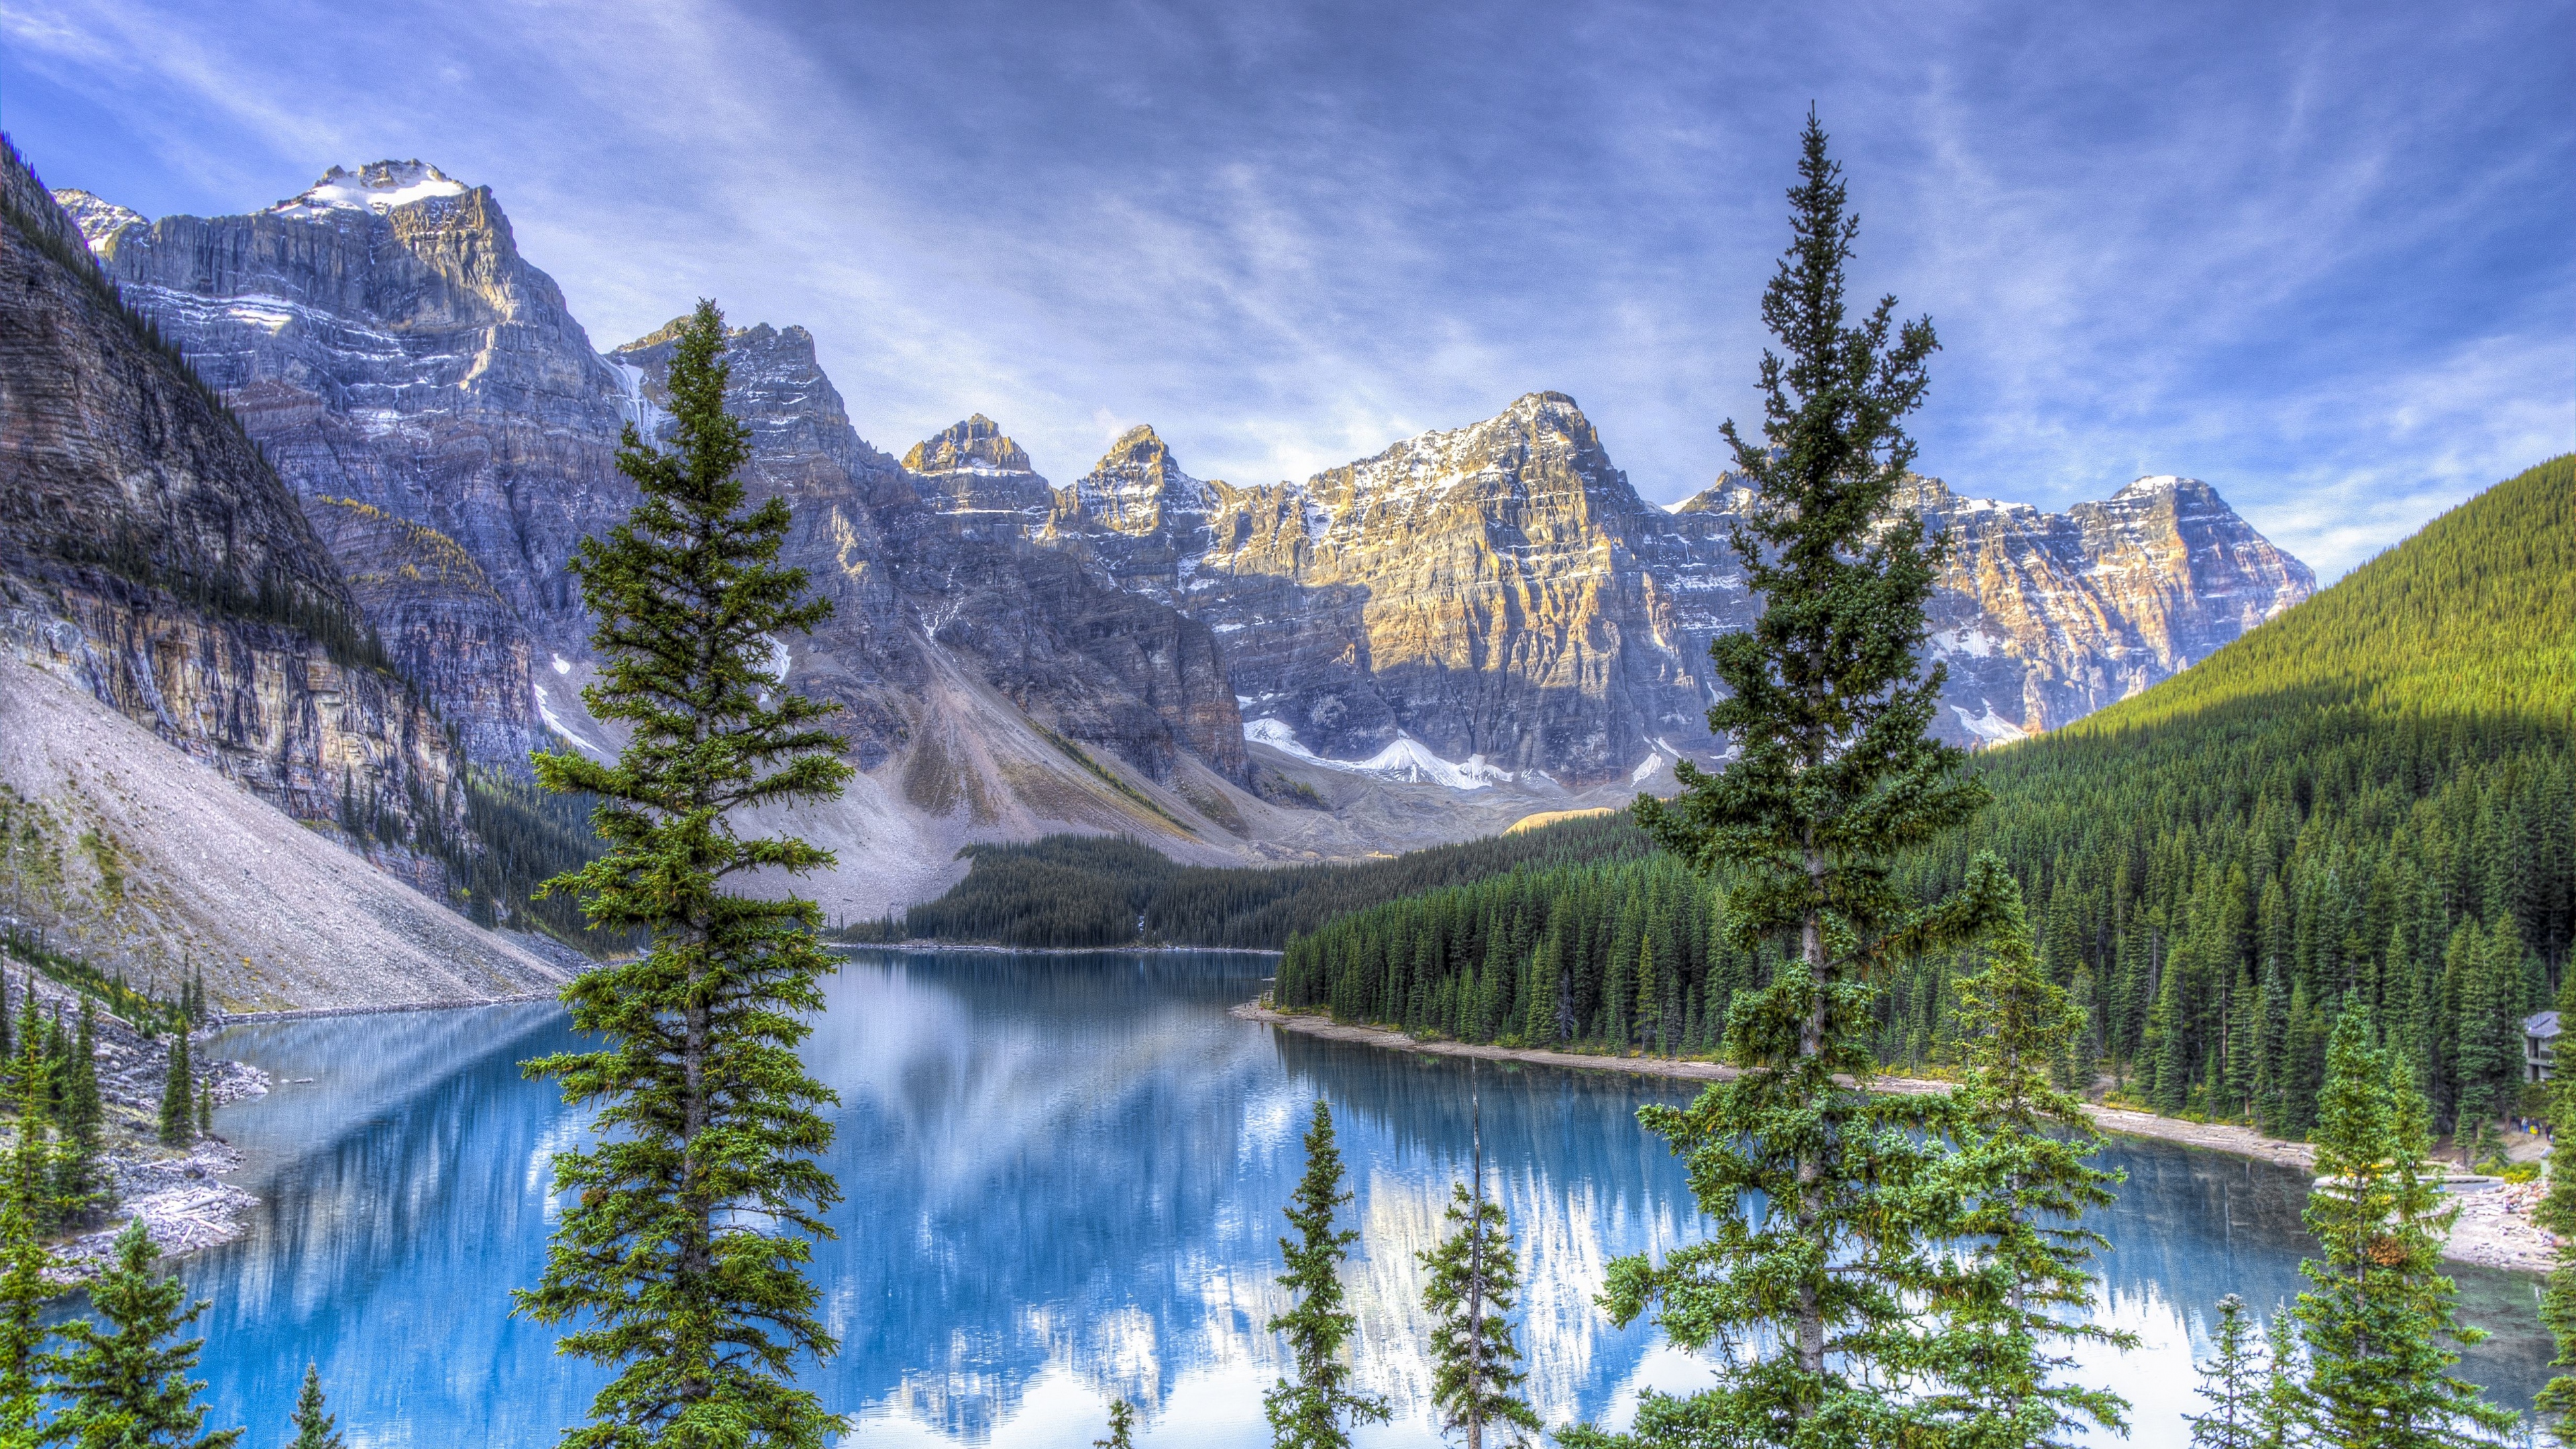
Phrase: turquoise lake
[1063,1179]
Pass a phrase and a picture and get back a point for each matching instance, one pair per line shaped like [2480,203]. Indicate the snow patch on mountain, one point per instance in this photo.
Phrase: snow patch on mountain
[378,188]
[97,217]
[1407,760]
[1989,726]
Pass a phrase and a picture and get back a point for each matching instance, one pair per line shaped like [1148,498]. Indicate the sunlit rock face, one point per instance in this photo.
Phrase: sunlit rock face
[1499,596]
[977,473]
[2042,618]
[1476,591]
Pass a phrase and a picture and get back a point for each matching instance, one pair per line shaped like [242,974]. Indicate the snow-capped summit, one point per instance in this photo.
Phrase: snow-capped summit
[97,217]
[378,187]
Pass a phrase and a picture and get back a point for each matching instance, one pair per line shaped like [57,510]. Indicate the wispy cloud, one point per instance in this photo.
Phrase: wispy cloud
[2312,253]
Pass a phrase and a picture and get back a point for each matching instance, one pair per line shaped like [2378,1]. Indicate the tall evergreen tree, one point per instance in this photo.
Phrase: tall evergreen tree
[1473,1279]
[2378,1322]
[1309,1411]
[314,1428]
[682,1255]
[126,1386]
[2231,1381]
[1835,774]
[2019,1280]
[178,1103]
[77,1187]
[2281,1414]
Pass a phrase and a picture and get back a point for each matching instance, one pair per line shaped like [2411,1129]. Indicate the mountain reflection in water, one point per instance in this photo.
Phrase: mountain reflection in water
[1063,1180]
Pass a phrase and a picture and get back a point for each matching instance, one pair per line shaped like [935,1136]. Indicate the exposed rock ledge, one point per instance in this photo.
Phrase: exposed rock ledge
[2494,1228]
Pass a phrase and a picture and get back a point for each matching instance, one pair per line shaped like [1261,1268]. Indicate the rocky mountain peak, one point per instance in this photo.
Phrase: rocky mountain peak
[375,188]
[976,445]
[1132,487]
[97,217]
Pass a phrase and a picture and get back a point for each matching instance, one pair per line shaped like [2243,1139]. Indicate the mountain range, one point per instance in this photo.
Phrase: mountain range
[1473,625]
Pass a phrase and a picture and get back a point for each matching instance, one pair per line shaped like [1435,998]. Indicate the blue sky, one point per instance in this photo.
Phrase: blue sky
[2322,255]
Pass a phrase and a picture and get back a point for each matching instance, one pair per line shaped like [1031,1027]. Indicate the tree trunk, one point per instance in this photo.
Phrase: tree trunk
[1811,1044]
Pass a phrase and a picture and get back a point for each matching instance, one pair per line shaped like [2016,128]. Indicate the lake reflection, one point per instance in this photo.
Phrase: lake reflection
[1063,1179]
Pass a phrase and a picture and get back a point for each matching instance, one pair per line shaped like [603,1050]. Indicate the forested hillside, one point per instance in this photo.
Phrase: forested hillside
[2371,799]
[1087,890]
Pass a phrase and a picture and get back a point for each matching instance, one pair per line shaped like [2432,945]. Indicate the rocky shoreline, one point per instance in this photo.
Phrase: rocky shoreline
[2494,1228]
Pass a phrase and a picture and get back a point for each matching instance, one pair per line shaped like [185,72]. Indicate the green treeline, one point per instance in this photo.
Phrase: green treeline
[1626,954]
[1087,890]
[2368,802]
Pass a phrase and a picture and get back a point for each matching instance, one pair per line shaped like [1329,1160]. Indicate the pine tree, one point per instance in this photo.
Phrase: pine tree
[206,1107]
[127,1385]
[313,1428]
[78,1188]
[683,1254]
[1829,710]
[2020,1279]
[2232,1381]
[1308,1412]
[1122,1427]
[1649,1011]
[1473,1277]
[2282,1413]
[178,1104]
[2377,1320]
[2556,1211]
[24,1203]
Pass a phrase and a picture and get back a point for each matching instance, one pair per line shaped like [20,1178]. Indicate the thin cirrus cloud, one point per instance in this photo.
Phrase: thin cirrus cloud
[2313,253]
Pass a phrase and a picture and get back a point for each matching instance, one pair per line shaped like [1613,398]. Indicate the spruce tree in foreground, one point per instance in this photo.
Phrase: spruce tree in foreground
[2232,1381]
[680,1259]
[313,1428]
[1309,1411]
[1816,1301]
[2378,1323]
[1474,1277]
[2020,1278]
[2281,1414]
[126,1386]
[23,1290]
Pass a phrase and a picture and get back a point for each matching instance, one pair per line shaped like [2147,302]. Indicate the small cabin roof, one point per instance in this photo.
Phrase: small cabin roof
[2542,1024]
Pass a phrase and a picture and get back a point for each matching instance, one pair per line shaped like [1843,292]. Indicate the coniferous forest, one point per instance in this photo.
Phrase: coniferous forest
[2369,801]
[1071,891]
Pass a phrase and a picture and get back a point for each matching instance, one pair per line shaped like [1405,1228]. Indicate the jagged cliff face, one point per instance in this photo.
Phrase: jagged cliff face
[444,625]
[383,339]
[974,471]
[386,343]
[2043,618]
[1471,591]
[917,587]
[1500,596]
[148,553]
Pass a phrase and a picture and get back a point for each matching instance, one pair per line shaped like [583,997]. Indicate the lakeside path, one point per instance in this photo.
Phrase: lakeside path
[2494,1228]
